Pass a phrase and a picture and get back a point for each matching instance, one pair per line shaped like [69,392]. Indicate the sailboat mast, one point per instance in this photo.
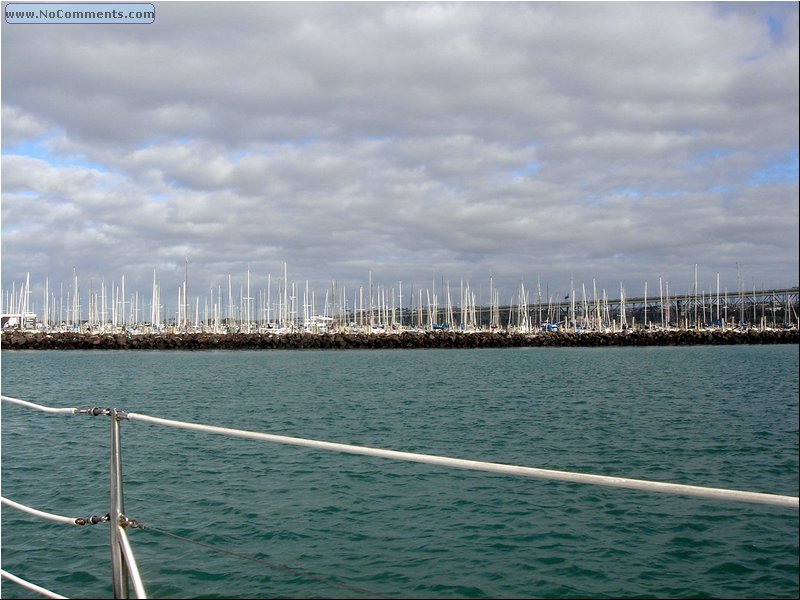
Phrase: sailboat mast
[645,305]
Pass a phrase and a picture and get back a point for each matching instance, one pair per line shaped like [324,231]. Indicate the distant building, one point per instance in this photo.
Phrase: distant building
[13,320]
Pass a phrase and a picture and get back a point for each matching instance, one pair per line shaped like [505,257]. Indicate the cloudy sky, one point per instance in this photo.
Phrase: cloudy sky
[537,142]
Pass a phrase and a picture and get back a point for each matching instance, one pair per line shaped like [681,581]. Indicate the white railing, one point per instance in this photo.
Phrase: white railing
[124,569]
[123,562]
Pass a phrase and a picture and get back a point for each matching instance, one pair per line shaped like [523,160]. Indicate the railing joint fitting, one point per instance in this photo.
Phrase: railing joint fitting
[126,522]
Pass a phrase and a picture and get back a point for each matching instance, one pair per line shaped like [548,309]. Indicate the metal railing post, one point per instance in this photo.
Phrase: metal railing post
[119,569]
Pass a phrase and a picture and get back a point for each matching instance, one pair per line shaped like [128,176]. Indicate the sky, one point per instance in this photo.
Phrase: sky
[553,144]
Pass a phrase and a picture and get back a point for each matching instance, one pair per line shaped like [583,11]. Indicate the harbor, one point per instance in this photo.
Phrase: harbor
[284,313]
[422,300]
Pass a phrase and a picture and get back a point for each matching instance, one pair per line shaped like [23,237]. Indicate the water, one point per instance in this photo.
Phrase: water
[330,525]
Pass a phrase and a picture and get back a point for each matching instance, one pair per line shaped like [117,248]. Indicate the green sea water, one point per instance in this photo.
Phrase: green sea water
[260,520]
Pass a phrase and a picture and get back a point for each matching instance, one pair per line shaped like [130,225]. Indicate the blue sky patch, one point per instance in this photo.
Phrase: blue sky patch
[785,171]
[526,171]
[39,148]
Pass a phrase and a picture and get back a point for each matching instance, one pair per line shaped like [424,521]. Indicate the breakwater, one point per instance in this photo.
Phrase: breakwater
[408,340]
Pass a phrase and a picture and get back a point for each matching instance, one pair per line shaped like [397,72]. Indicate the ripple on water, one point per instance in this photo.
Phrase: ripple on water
[688,415]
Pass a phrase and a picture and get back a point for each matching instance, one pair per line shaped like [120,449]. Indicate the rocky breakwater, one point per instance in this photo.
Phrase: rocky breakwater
[14,340]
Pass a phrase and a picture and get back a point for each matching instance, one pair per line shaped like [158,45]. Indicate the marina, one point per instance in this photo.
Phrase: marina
[286,306]
[421,300]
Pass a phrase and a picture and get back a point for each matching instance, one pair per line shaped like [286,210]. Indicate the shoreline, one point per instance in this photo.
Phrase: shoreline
[407,340]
